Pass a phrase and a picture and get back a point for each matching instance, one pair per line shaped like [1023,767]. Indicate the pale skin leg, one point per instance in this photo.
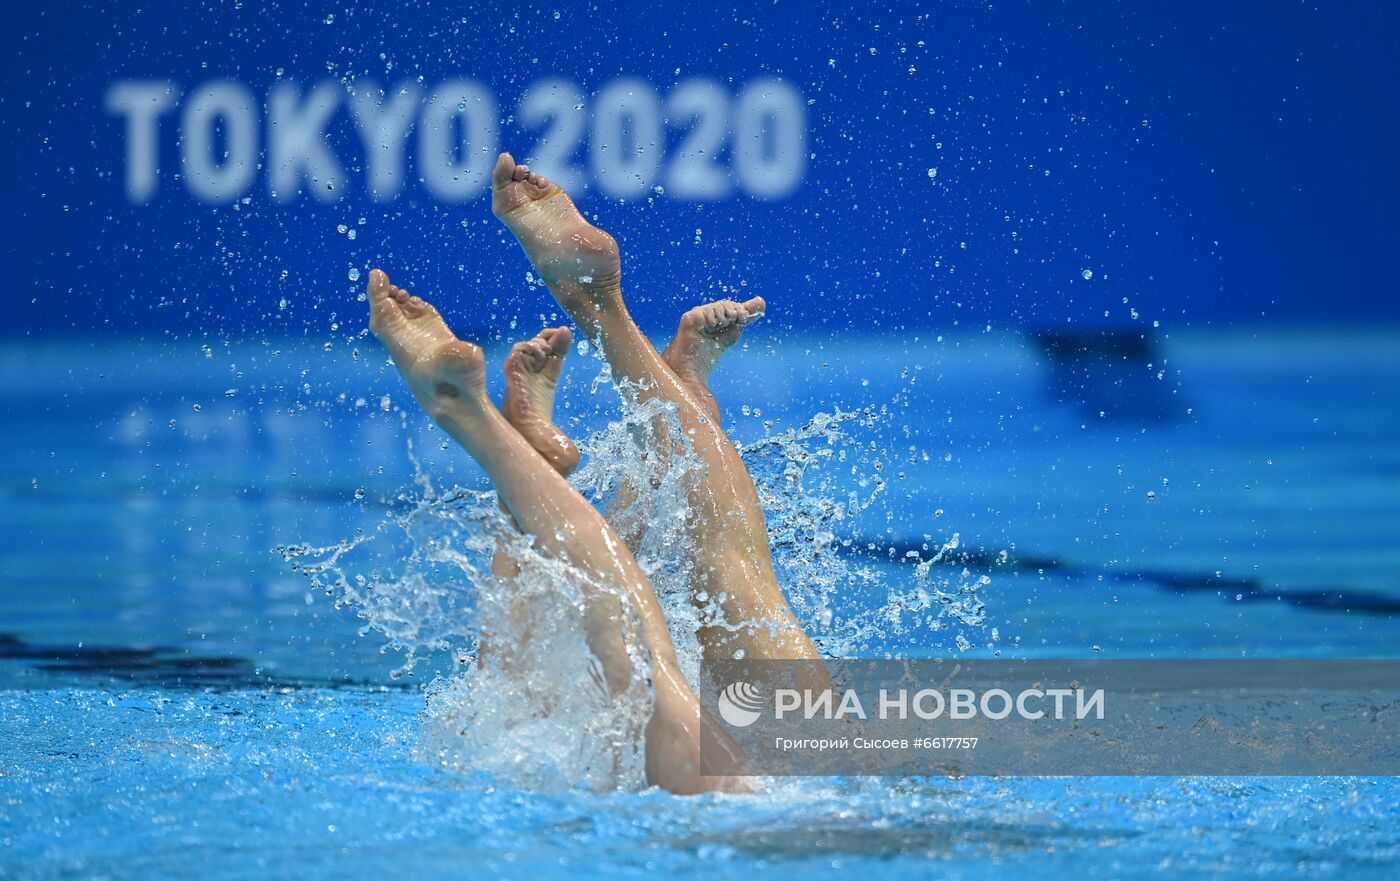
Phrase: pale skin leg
[447,378]
[581,266]
[532,371]
[704,334]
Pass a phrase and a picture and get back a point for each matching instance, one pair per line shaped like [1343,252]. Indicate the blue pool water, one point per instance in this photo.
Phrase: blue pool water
[175,702]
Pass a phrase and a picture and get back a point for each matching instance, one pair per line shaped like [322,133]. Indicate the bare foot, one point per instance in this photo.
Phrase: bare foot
[532,372]
[441,370]
[577,260]
[705,333]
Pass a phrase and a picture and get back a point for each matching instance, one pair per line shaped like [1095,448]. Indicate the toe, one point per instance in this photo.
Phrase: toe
[379,287]
[558,340]
[524,356]
[383,309]
[521,172]
[755,307]
[505,168]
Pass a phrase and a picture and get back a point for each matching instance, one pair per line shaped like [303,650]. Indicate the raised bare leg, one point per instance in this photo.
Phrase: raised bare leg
[447,377]
[706,333]
[581,266]
[532,372]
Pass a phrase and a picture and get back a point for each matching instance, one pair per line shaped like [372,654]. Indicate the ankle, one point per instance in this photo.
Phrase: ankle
[599,315]
[601,292]
[692,371]
[605,287]
[462,409]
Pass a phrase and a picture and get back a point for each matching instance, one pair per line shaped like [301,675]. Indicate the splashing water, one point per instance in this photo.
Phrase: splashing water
[848,608]
[545,716]
[536,717]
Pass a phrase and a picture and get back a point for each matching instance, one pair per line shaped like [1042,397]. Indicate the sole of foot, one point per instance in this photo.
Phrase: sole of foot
[441,370]
[705,334]
[577,260]
[532,373]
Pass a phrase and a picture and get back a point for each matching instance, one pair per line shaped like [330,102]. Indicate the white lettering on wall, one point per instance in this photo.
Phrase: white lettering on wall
[697,144]
[212,173]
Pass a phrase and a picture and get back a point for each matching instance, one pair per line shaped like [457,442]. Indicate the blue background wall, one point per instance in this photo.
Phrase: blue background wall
[1208,162]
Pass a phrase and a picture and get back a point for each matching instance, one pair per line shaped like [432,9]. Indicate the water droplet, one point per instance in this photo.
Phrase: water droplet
[1087,274]
[354,273]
